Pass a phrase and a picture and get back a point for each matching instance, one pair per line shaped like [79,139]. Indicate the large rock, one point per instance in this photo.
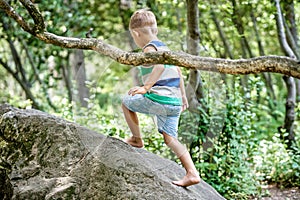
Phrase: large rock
[46,157]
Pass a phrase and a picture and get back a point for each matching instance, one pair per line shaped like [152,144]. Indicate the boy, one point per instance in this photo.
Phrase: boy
[162,95]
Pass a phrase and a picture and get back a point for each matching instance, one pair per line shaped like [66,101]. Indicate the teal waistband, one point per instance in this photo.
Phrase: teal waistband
[164,100]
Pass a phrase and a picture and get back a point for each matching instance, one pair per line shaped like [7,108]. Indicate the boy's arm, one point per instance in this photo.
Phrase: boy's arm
[154,76]
[185,103]
[152,79]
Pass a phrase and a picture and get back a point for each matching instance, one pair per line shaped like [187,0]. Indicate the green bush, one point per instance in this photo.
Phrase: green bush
[273,163]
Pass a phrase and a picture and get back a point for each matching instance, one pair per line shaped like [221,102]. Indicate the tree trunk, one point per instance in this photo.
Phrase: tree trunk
[25,88]
[221,32]
[37,77]
[265,76]
[79,75]
[290,83]
[194,88]
[65,68]
[291,27]
[245,47]
[290,110]
[292,36]
[236,18]
[19,73]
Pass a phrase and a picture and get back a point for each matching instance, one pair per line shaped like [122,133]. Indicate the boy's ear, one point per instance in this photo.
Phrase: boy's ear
[136,33]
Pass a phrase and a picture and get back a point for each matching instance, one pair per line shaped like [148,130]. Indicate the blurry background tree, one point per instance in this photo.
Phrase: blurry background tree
[242,131]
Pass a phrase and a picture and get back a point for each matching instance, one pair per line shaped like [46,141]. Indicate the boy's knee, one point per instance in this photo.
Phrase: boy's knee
[168,139]
[123,106]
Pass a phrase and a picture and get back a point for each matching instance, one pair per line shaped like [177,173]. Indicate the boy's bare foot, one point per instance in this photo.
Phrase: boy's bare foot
[188,180]
[135,142]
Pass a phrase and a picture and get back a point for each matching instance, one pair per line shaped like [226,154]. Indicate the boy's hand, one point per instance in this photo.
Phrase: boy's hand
[185,103]
[137,90]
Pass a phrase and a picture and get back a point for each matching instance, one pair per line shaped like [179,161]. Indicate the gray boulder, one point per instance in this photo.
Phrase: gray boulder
[46,157]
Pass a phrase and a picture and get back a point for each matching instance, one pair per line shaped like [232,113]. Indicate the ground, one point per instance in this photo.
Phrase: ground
[275,193]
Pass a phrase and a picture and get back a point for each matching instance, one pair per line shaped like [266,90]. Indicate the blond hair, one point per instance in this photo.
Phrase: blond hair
[143,19]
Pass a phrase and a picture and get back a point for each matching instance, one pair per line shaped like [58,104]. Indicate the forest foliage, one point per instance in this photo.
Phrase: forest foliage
[236,136]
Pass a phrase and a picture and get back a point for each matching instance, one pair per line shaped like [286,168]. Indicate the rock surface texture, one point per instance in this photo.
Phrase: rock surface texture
[46,157]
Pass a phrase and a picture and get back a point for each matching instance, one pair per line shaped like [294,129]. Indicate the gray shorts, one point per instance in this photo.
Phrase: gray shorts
[167,115]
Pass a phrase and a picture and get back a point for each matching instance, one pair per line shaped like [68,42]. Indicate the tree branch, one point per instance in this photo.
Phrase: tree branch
[22,84]
[275,64]
[12,13]
[35,14]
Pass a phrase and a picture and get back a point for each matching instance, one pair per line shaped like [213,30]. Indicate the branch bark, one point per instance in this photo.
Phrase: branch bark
[275,64]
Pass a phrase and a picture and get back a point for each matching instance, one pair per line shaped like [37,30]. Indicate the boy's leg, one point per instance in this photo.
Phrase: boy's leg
[192,177]
[133,123]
